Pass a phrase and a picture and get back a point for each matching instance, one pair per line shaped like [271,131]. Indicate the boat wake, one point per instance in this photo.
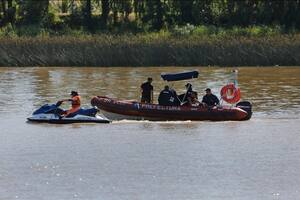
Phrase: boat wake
[126,121]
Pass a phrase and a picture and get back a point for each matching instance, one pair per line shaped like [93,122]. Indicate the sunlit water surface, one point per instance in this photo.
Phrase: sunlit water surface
[255,159]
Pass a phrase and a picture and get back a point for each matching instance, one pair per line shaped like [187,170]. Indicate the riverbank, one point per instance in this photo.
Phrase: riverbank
[156,49]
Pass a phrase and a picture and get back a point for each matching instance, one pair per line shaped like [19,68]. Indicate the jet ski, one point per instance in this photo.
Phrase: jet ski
[53,114]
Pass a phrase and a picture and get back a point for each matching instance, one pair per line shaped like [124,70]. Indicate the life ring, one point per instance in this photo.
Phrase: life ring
[230,93]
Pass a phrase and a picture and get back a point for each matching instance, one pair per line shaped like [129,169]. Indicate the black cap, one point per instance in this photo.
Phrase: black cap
[74,93]
[207,89]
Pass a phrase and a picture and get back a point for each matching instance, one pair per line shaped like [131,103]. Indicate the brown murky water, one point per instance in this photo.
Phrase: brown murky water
[255,159]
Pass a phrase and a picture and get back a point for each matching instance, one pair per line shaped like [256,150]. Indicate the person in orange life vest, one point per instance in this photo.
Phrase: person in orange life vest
[75,102]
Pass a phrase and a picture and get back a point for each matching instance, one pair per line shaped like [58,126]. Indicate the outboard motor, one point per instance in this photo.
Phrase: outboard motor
[246,106]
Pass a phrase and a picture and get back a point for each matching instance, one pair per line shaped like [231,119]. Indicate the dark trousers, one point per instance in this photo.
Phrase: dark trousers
[145,99]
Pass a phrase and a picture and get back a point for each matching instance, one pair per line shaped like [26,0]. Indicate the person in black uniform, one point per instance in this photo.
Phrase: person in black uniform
[210,99]
[168,97]
[147,91]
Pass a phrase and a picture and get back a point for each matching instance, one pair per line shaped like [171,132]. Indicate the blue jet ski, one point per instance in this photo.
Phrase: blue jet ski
[53,114]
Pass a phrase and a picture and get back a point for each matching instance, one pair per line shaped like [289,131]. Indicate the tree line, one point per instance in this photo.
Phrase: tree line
[148,15]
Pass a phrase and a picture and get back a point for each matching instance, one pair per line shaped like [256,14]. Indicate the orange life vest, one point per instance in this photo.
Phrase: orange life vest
[76,101]
[75,105]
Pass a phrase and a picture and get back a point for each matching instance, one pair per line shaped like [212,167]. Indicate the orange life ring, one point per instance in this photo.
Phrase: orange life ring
[230,93]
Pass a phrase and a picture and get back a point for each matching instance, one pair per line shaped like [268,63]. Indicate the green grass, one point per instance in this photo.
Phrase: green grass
[187,30]
[183,46]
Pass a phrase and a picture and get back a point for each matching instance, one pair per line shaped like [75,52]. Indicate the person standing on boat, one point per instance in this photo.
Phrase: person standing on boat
[75,102]
[210,99]
[147,91]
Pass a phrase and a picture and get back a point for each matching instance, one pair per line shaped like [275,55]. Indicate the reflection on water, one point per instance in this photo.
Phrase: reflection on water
[273,91]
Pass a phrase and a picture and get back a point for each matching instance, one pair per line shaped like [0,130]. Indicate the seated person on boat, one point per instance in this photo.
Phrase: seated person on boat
[193,99]
[75,102]
[185,98]
[210,99]
[168,97]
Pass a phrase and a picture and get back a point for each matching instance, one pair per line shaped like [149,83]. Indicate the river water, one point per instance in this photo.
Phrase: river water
[255,159]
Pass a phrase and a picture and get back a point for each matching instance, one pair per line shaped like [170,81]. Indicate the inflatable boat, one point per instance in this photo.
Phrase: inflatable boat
[121,109]
[115,109]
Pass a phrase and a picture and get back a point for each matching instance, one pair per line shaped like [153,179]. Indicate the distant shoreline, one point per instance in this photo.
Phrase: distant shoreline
[154,50]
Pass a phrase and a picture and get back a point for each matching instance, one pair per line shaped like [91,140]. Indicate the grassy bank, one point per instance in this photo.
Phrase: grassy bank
[183,47]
